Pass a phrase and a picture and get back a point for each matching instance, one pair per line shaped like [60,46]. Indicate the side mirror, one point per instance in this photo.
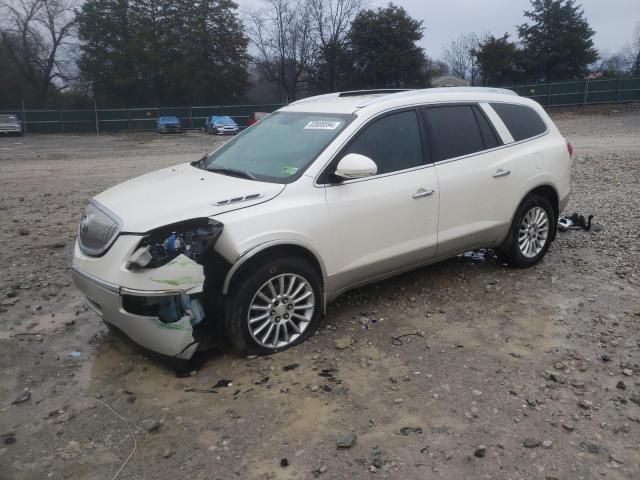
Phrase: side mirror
[354,165]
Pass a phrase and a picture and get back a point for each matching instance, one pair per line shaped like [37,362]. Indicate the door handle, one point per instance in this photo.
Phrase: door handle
[421,193]
[501,173]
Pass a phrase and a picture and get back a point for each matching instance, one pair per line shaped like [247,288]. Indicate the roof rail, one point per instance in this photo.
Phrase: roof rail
[378,91]
[408,93]
[381,94]
[351,93]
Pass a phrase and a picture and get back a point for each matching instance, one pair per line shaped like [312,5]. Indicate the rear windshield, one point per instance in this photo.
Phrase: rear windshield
[523,122]
[280,147]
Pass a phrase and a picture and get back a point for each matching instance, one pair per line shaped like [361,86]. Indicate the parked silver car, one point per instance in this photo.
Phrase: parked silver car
[9,124]
[221,125]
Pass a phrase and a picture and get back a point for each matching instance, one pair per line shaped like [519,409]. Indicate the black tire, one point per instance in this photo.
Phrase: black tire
[510,250]
[246,286]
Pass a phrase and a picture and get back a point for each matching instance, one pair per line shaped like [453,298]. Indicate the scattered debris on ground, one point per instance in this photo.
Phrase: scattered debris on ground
[523,374]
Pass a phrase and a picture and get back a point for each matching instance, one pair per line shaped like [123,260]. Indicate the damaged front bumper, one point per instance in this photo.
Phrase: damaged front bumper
[171,335]
[163,320]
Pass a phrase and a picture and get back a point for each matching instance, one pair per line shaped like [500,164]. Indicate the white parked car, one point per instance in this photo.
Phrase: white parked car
[324,195]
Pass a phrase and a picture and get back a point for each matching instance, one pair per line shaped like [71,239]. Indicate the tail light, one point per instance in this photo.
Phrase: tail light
[570,149]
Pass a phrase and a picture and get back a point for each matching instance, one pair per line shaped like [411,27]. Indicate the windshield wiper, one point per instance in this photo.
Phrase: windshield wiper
[232,172]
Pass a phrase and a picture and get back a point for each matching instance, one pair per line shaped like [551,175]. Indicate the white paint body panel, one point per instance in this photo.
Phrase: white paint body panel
[359,231]
[179,193]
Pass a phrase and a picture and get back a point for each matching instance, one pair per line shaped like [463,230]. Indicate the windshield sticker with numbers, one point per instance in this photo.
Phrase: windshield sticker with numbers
[322,125]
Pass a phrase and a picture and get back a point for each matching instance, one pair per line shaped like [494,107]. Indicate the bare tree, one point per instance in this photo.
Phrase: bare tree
[618,63]
[635,48]
[35,33]
[332,22]
[282,36]
[460,59]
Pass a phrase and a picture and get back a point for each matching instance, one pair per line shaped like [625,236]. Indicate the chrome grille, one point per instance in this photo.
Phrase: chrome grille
[98,229]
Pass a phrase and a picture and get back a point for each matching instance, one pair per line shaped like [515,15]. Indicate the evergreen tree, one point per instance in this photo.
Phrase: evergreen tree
[163,51]
[496,58]
[383,50]
[557,43]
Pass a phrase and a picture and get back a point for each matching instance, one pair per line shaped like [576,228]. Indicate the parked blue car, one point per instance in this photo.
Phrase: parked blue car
[168,124]
[221,125]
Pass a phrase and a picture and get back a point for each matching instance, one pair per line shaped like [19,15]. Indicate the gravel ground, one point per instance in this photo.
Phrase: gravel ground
[514,374]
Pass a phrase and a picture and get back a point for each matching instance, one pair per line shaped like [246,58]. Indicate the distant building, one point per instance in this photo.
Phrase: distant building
[449,81]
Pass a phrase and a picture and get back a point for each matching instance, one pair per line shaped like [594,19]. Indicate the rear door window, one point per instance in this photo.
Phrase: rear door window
[453,131]
[523,122]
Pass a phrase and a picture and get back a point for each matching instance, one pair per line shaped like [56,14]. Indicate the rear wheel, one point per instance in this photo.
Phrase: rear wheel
[530,234]
[273,306]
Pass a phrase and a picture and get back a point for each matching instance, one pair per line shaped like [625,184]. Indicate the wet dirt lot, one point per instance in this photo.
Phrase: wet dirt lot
[511,374]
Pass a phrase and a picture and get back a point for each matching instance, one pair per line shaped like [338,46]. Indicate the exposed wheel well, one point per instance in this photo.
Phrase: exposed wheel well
[280,251]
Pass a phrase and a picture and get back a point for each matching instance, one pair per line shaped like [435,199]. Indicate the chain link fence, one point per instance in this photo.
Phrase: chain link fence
[580,92]
[95,120]
[98,120]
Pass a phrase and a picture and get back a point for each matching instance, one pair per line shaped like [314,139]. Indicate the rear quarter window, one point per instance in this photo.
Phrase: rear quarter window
[523,122]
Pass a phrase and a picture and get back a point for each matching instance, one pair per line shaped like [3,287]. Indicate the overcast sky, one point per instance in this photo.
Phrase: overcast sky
[444,20]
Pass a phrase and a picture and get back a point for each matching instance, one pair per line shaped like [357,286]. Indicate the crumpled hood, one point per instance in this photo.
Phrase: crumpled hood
[180,193]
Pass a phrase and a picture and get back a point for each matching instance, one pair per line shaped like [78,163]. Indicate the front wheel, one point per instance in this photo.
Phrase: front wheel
[530,234]
[273,306]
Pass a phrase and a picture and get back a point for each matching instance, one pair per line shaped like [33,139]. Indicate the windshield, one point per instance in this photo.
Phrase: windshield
[222,120]
[8,118]
[280,147]
[168,119]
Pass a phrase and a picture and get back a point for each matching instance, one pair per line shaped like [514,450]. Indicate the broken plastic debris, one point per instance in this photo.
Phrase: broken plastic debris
[23,397]
[574,221]
[75,354]
[140,258]
[176,308]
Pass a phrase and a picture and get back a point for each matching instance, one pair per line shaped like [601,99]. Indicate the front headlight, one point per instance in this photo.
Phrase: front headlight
[98,229]
[191,238]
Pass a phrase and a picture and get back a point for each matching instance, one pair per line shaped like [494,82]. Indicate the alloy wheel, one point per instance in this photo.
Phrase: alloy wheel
[281,310]
[533,232]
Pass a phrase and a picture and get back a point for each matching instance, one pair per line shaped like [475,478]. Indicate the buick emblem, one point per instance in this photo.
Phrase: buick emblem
[84,223]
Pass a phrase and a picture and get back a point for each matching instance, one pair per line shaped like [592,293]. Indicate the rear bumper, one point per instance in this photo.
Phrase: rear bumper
[227,131]
[169,129]
[10,130]
[106,299]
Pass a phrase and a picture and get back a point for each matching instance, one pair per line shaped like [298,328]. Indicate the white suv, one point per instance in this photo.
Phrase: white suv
[324,195]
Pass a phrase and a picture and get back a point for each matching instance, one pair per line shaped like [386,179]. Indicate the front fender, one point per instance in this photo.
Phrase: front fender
[253,251]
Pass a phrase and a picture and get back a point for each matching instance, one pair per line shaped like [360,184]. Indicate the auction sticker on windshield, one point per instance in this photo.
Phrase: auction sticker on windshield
[322,125]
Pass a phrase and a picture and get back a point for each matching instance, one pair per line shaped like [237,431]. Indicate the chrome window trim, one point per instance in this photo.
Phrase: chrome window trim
[482,152]
[431,164]
[375,177]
